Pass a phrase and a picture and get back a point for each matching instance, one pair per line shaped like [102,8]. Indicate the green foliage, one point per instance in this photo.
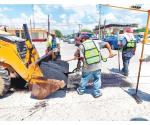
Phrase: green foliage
[141,30]
[86,30]
[58,33]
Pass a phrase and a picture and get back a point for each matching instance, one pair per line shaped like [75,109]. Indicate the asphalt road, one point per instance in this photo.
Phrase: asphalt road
[116,103]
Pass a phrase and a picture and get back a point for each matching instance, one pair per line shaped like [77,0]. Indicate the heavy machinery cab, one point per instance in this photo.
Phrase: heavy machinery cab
[12,39]
[20,43]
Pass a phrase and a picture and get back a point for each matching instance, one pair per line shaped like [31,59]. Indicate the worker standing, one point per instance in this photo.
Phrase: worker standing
[128,44]
[54,45]
[89,53]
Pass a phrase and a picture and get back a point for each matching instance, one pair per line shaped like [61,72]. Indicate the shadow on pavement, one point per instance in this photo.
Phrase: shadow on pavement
[114,70]
[142,95]
[57,94]
[115,80]
[108,80]
[138,119]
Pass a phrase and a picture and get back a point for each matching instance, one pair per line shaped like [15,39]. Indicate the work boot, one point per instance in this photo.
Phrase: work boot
[79,92]
[124,73]
[97,95]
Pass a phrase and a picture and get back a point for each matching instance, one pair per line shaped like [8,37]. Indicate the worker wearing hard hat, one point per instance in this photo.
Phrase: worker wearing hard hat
[54,45]
[128,44]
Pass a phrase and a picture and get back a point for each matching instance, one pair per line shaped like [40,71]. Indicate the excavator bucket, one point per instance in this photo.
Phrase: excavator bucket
[42,87]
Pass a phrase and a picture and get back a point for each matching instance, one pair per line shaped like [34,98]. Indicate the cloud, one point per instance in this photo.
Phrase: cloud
[86,15]
[110,17]
[63,16]
[39,15]
[4,9]
[66,17]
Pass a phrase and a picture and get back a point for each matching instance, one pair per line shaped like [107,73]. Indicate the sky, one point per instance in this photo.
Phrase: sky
[67,17]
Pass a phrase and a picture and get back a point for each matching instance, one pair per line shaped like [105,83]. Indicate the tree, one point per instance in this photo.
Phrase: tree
[141,30]
[58,33]
[86,30]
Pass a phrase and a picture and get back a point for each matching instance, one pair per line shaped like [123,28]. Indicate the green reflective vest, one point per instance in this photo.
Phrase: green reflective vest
[91,52]
[131,44]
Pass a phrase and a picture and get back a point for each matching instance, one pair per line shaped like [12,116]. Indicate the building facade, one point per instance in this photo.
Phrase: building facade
[111,28]
[37,34]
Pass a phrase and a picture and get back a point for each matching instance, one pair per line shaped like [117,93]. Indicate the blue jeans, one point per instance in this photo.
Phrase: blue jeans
[86,76]
[126,61]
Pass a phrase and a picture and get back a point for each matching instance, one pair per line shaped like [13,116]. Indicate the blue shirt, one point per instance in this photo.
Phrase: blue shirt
[126,52]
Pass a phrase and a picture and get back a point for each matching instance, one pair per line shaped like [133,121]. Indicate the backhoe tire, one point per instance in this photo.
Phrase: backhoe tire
[18,83]
[53,72]
[4,81]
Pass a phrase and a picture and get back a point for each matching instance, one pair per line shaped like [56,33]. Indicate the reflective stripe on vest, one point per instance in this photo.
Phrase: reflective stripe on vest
[130,41]
[91,52]
[131,44]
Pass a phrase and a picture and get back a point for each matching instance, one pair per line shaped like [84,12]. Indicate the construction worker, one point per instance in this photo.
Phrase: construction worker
[89,53]
[128,44]
[54,45]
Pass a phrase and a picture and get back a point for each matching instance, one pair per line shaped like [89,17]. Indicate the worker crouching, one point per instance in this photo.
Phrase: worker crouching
[53,45]
[89,53]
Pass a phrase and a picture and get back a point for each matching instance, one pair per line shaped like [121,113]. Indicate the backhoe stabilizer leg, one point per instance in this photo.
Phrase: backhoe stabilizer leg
[44,87]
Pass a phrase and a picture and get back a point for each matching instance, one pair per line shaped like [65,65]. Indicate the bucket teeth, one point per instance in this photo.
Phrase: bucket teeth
[42,89]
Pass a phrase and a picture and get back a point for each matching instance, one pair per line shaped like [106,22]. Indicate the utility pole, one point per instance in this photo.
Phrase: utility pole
[73,34]
[48,25]
[104,28]
[33,16]
[99,28]
[79,27]
[31,28]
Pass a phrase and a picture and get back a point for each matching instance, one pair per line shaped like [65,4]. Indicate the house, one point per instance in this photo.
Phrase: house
[111,28]
[37,34]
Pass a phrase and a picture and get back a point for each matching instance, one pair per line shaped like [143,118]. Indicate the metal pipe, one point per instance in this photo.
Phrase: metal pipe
[142,53]
[141,10]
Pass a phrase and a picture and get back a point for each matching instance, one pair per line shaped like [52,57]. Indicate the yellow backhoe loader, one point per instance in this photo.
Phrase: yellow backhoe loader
[20,59]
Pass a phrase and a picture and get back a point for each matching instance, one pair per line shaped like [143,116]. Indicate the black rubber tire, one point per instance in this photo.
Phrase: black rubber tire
[5,82]
[18,83]
[52,72]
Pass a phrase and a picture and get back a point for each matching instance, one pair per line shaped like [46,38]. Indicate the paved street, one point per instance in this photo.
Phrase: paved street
[115,104]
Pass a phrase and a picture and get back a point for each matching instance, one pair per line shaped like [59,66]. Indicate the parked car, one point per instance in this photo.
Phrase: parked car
[71,40]
[81,34]
[112,40]
[138,38]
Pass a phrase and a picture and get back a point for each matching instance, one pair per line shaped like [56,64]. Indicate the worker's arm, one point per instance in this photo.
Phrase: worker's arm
[108,47]
[48,44]
[76,56]
[122,42]
[58,44]
[147,59]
